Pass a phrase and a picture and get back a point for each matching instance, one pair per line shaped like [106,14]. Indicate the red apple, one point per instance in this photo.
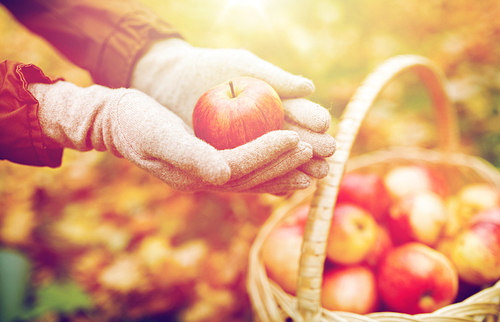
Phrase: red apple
[237,112]
[350,289]
[454,223]
[367,191]
[476,253]
[409,179]
[418,217]
[282,249]
[479,196]
[352,235]
[474,198]
[414,278]
[491,215]
[470,200]
[382,244]
[297,216]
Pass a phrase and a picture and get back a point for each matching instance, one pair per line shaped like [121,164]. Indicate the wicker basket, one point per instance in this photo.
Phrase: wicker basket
[271,303]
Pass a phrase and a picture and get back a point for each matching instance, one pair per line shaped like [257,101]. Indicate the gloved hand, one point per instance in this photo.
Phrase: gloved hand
[130,124]
[176,74]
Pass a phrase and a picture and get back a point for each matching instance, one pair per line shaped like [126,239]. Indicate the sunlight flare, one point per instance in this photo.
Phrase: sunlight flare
[256,4]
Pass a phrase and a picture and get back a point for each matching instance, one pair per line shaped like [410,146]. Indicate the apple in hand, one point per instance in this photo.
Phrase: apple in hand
[414,278]
[476,250]
[350,289]
[282,249]
[418,217]
[352,234]
[366,190]
[237,112]
[409,179]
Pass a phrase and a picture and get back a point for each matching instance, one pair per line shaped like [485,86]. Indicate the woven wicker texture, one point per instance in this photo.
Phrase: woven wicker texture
[271,303]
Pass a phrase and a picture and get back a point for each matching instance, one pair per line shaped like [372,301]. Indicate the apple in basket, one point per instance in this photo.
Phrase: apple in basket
[239,111]
[408,179]
[414,278]
[353,233]
[382,244]
[366,190]
[420,216]
[469,200]
[282,248]
[490,215]
[478,196]
[476,250]
[350,289]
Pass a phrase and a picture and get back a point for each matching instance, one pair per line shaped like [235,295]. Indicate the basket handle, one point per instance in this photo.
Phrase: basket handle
[318,223]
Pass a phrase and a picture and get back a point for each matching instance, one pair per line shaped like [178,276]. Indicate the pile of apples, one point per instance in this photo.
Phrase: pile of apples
[400,241]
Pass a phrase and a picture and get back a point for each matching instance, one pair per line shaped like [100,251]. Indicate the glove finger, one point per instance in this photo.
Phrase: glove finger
[202,161]
[238,62]
[293,180]
[323,145]
[287,162]
[181,180]
[316,168]
[172,176]
[255,154]
[307,114]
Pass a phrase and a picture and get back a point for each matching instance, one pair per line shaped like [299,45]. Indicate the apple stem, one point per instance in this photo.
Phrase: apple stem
[232,88]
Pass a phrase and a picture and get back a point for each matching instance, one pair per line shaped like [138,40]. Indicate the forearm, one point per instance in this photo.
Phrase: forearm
[78,118]
[104,37]
[21,137]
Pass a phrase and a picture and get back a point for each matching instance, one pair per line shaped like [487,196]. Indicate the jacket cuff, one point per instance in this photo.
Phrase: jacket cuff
[21,137]
[126,44]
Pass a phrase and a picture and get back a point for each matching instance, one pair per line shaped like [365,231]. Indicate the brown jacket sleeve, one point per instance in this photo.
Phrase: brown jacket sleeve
[21,138]
[105,37]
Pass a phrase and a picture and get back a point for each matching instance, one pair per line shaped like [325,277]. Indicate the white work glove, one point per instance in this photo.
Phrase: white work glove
[130,124]
[176,74]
